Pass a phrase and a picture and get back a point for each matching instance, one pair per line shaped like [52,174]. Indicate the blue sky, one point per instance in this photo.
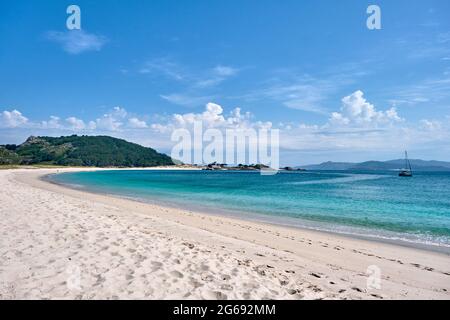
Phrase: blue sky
[335,89]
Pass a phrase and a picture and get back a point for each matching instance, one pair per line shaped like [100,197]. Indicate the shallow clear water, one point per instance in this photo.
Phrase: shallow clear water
[379,204]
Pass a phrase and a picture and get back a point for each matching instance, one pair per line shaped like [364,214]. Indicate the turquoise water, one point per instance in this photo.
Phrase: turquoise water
[368,204]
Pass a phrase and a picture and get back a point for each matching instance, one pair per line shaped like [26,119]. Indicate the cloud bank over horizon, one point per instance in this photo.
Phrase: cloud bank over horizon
[358,127]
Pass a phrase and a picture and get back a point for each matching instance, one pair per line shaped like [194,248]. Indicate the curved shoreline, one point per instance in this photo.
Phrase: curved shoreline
[192,250]
[283,222]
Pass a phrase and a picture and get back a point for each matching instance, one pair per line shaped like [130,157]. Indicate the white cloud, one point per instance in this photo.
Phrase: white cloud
[338,119]
[194,83]
[434,91]
[305,95]
[225,71]
[364,130]
[136,123]
[165,67]
[52,123]
[117,119]
[212,117]
[430,125]
[12,119]
[357,129]
[192,78]
[215,76]
[186,100]
[310,93]
[77,41]
[356,110]
[107,123]
[423,46]
[76,124]
[119,112]
[92,125]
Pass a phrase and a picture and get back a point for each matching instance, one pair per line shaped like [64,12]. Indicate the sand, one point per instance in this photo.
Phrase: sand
[58,243]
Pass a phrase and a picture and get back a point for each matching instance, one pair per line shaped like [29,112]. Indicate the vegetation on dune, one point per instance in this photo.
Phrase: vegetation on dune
[93,151]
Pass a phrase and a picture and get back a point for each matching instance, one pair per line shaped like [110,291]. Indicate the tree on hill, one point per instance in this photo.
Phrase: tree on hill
[98,151]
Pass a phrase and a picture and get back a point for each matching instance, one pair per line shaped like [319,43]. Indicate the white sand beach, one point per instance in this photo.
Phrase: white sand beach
[58,243]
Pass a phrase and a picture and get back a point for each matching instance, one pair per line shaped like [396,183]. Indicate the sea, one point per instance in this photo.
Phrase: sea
[364,204]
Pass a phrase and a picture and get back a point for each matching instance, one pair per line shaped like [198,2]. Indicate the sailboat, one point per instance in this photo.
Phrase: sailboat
[407,171]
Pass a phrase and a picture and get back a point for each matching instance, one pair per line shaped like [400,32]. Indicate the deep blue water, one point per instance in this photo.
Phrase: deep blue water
[378,204]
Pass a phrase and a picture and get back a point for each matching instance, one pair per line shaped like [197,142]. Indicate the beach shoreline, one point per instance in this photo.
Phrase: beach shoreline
[284,222]
[246,259]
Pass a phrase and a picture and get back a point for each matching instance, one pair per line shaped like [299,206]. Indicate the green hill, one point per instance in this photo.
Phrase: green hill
[93,151]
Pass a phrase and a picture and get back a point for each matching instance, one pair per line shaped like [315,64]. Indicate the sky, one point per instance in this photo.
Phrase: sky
[137,70]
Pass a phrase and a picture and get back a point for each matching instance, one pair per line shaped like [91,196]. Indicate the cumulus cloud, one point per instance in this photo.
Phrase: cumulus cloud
[212,117]
[52,123]
[76,124]
[77,41]
[12,119]
[111,121]
[136,123]
[107,123]
[356,110]
[357,128]
[116,119]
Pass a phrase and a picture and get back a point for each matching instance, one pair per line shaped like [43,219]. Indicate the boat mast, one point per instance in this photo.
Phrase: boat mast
[407,163]
[406,159]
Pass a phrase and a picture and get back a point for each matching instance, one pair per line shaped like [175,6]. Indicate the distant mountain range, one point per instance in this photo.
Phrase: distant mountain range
[92,151]
[417,165]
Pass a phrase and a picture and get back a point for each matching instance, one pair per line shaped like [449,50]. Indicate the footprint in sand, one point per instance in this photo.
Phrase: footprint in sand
[176,274]
[156,265]
[207,277]
[214,295]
